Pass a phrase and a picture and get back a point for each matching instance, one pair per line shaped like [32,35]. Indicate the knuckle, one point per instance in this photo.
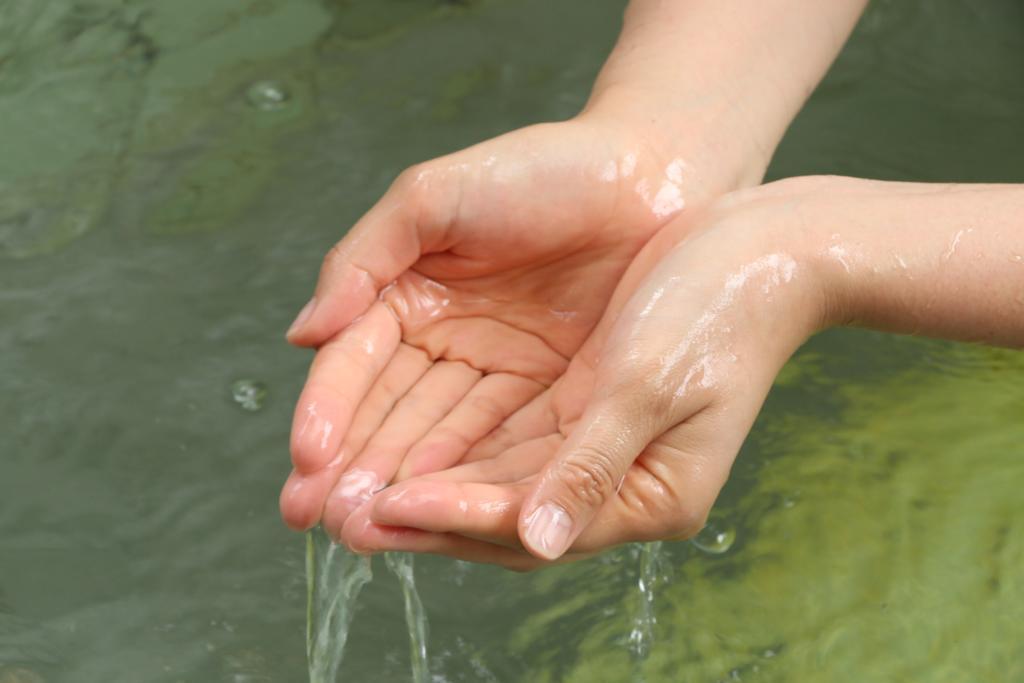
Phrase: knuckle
[684,521]
[659,512]
[412,182]
[590,474]
[449,438]
[487,406]
[499,439]
[348,351]
[339,402]
[334,259]
[390,385]
[429,192]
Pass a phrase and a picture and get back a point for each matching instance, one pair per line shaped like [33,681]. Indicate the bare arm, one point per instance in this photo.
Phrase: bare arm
[481,276]
[737,70]
[939,260]
[698,345]
[714,83]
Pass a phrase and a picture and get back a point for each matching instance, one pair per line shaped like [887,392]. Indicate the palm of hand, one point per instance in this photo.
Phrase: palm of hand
[473,511]
[521,242]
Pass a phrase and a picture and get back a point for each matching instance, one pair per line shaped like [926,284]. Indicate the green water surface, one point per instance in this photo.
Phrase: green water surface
[171,172]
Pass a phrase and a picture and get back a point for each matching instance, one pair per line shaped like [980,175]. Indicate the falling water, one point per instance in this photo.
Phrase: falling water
[334,577]
[401,564]
[642,636]
[716,538]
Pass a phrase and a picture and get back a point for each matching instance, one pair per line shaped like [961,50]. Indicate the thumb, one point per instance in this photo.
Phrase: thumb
[587,470]
[406,223]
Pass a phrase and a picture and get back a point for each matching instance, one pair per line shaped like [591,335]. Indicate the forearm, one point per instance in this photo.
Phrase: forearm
[938,260]
[738,72]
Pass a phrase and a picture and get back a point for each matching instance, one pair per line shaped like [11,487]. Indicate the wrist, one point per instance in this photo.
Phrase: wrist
[767,232]
[726,79]
[713,136]
[821,221]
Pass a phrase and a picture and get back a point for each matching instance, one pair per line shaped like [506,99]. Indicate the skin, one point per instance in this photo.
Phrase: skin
[463,314]
[689,361]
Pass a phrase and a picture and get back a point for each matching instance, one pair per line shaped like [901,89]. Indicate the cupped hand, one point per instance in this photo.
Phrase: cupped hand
[636,439]
[462,295]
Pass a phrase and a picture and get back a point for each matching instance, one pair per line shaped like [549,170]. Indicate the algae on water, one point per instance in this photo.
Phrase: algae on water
[882,545]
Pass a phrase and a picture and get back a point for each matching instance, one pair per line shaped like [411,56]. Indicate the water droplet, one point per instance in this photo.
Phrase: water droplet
[249,394]
[268,95]
[715,538]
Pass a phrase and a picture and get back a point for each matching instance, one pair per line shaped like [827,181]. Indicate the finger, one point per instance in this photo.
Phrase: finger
[343,371]
[520,462]
[672,485]
[486,512]
[440,389]
[666,493]
[407,367]
[410,220]
[536,419]
[363,536]
[480,499]
[493,399]
[303,495]
[586,472]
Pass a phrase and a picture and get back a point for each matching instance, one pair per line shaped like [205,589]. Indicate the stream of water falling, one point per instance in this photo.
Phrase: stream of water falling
[641,637]
[334,577]
[401,565]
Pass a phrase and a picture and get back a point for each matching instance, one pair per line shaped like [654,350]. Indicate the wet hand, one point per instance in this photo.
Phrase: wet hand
[635,440]
[499,260]
[462,296]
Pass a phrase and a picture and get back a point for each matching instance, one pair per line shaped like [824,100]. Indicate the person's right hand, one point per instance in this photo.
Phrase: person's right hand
[463,293]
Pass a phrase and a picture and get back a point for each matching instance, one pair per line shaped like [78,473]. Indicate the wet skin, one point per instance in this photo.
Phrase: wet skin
[486,320]
[464,313]
[685,368]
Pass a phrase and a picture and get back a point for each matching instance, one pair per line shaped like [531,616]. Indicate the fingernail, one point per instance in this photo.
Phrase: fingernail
[303,316]
[548,529]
